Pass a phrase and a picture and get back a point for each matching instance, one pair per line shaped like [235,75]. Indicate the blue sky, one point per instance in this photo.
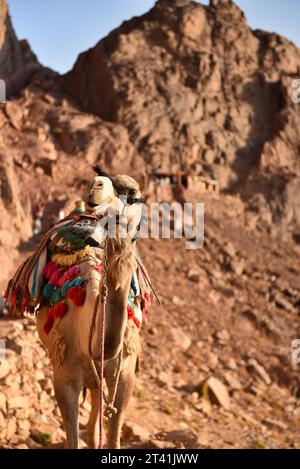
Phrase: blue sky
[58,30]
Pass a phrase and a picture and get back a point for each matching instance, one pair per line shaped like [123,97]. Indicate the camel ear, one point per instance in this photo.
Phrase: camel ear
[142,181]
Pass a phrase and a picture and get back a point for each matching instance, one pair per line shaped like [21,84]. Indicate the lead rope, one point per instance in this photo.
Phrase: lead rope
[103,298]
[109,409]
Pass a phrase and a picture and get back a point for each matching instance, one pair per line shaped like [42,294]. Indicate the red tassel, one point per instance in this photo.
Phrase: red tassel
[132,316]
[58,311]
[56,276]
[130,312]
[146,303]
[137,322]
[77,295]
[61,310]
[48,325]
[24,300]
[13,300]
[49,269]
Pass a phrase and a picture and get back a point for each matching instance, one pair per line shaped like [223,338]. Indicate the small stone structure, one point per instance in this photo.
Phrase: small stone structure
[184,180]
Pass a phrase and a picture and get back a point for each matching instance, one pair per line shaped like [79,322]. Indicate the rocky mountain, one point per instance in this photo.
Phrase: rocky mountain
[183,87]
[17,61]
[196,89]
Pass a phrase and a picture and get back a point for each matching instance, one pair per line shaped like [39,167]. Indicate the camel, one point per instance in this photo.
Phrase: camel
[74,341]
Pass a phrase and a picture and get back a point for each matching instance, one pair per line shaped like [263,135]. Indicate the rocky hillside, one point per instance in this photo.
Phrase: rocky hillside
[225,378]
[182,87]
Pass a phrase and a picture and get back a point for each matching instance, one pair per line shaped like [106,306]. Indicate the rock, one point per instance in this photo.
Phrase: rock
[83,420]
[12,380]
[238,266]
[22,414]
[2,425]
[219,392]
[32,444]
[230,249]
[258,370]
[17,402]
[14,114]
[180,339]
[11,427]
[248,418]
[3,402]
[231,364]
[4,369]
[46,384]
[232,381]
[15,344]
[22,446]
[209,156]
[223,336]
[135,432]
[178,301]
[23,429]
[153,443]
[212,360]
[214,296]
[204,406]
[165,378]
[186,436]
[17,62]
[40,375]
[196,274]
[284,303]
[275,424]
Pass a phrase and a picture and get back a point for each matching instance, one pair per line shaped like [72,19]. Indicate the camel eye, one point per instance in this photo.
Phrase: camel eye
[131,192]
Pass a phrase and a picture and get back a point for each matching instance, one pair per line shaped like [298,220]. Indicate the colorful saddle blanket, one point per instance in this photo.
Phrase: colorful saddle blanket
[52,273]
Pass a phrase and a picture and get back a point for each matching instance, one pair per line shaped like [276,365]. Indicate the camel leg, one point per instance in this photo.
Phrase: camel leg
[92,430]
[67,395]
[124,391]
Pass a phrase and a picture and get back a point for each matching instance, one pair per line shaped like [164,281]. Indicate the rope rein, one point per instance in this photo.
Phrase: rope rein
[101,300]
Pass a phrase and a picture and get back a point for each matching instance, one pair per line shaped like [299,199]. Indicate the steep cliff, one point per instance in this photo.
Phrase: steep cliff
[17,61]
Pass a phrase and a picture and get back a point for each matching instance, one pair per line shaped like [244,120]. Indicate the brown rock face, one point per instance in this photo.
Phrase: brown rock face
[196,89]
[15,216]
[17,62]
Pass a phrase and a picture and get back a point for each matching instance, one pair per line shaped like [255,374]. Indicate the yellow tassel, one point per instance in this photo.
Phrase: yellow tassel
[67,260]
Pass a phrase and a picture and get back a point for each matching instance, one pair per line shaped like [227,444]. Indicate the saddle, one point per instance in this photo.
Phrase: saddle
[51,273]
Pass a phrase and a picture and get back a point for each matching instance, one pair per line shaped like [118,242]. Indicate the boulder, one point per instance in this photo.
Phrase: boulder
[258,370]
[218,391]
[135,432]
[4,368]
[186,436]
[180,339]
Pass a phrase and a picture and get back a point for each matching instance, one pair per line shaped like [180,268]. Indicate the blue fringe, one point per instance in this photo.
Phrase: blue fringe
[48,290]
[55,294]
[74,283]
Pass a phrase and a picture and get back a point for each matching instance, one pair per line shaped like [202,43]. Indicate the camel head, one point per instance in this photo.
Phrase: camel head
[124,185]
[100,190]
